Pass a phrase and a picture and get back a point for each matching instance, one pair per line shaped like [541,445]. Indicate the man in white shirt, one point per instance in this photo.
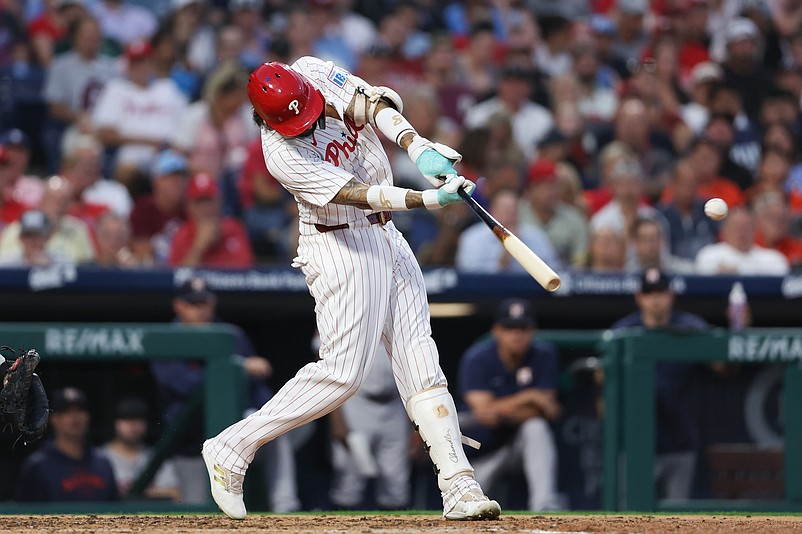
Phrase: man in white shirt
[75,78]
[737,253]
[530,121]
[137,114]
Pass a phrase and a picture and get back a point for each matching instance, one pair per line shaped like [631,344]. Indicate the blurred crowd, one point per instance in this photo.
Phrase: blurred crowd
[595,130]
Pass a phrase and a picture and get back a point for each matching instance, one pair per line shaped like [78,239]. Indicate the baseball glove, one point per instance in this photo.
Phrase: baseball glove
[23,402]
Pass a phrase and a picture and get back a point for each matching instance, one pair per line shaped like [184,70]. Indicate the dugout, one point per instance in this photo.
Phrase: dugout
[273,306]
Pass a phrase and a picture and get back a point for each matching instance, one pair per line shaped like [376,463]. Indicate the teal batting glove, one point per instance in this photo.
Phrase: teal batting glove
[434,160]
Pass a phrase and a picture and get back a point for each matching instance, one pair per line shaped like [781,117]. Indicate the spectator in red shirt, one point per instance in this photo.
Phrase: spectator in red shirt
[156,217]
[208,238]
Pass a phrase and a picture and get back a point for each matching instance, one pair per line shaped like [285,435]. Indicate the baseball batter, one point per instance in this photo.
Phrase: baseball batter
[319,128]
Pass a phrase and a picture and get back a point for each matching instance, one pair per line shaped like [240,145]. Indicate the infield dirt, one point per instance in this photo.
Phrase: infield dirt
[390,524]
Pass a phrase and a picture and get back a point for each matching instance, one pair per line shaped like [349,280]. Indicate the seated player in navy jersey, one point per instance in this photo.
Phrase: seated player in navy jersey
[508,383]
[68,468]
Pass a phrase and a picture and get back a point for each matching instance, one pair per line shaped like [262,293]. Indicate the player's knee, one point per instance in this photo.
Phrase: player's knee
[536,429]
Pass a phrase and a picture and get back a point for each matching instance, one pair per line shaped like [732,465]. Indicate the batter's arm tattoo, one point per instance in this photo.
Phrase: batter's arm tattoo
[355,193]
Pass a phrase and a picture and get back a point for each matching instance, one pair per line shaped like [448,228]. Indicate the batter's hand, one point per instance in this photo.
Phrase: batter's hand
[434,160]
[448,193]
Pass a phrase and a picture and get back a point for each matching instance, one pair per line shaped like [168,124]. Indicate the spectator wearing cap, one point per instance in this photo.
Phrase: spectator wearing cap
[530,121]
[129,454]
[690,229]
[157,216]
[696,112]
[743,67]
[508,392]
[136,115]
[70,238]
[737,252]
[541,206]
[208,238]
[34,231]
[705,156]
[67,468]
[195,306]
[479,251]
[18,191]
[124,21]
[73,82]
[678,434]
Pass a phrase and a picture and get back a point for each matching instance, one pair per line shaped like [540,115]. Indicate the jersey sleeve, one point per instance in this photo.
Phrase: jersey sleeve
[304,174]
[334,82]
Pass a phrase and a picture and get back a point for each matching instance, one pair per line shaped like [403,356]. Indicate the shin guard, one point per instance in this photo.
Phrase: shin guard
[435,417]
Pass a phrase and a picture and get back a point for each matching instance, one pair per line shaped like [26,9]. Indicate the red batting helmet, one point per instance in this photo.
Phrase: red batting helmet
[285,99]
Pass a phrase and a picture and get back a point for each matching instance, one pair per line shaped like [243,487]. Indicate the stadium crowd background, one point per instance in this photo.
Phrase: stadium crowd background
[595,130]
[580,121]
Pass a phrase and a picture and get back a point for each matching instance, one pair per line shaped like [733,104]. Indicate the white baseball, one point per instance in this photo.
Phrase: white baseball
[716,209]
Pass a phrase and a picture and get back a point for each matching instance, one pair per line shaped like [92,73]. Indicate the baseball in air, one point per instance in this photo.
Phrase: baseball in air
[716,209]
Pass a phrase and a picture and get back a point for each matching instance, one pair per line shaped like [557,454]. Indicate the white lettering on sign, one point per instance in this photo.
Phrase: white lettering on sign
[757,348]
[75,341]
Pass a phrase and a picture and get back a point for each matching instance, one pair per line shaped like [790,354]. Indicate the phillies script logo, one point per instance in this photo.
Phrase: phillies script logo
[335,149]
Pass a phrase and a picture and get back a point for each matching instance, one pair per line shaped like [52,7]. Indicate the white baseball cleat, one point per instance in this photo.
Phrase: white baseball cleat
[226,487]
[465,501]
[474,507]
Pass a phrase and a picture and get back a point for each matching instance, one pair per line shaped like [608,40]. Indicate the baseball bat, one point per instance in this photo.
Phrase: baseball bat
[537,268]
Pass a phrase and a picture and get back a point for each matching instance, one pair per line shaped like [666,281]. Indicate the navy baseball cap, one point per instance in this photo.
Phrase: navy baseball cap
[14,137]
[169,162]
[34,222]
[131,408]
[68,397]
[194,290]
[515,313]
[653,280]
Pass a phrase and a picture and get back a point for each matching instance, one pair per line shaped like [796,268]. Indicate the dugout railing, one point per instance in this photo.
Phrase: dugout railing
[629,359]
[222,396]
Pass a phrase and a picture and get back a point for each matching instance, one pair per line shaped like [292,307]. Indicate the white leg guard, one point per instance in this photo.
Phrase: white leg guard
[435,417]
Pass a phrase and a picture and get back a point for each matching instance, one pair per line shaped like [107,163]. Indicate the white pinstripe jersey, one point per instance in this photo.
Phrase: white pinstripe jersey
[315,168]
